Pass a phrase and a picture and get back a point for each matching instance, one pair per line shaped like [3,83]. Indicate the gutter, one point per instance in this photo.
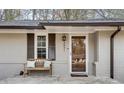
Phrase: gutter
[82,23]
[112,51]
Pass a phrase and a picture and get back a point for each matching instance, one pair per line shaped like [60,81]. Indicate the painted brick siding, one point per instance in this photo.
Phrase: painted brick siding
[119,57]
[13,54]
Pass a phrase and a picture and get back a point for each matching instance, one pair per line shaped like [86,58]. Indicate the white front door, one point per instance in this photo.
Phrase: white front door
[78,57]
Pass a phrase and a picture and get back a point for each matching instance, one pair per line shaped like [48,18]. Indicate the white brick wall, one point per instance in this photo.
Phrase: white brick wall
[119,56]
[13,53]
[103,54]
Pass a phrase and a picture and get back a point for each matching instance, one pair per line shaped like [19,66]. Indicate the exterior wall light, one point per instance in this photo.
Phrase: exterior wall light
[64,39]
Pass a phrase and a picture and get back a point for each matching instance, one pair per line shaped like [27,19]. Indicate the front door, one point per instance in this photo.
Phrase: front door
[78,54]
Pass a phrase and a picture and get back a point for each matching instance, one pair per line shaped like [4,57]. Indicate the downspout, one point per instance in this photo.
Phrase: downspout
[112,51]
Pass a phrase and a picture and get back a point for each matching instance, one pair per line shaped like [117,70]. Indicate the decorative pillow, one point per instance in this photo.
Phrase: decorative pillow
[47,63]
[31,64]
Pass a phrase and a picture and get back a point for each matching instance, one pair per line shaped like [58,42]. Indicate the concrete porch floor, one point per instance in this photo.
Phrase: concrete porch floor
[58,80]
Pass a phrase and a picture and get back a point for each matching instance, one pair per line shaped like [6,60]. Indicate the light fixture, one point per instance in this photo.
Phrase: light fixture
[64,39]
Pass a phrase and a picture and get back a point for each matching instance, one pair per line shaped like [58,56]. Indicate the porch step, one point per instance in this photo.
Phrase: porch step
[79,75]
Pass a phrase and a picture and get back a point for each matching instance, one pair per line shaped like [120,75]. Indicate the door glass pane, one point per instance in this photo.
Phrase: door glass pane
[78,54]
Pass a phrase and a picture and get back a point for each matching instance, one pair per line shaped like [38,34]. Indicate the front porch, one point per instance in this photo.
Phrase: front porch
[24,45]
[81,48]
[60,49]
[58,80]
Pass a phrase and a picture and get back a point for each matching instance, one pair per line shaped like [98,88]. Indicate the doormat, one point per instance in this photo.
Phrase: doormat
[78,75]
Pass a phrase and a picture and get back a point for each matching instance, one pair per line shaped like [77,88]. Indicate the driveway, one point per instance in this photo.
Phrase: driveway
[58,80]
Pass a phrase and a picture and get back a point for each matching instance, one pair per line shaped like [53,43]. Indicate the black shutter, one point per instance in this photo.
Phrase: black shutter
[51,47]
[30,46]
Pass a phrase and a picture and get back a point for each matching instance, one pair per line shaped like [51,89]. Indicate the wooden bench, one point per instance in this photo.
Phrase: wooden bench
[27,70]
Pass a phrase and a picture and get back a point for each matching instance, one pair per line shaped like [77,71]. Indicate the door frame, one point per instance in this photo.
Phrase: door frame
[70,54]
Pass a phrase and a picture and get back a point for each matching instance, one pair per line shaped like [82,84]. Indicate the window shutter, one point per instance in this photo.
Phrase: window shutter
[51,47]
[30,46]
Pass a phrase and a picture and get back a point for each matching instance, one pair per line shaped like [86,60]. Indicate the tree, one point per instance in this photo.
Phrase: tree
[1,14]
[11,14]
[60,14]
[110,13]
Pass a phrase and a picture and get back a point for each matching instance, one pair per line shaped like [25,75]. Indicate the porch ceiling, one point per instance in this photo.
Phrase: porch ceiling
[74,29]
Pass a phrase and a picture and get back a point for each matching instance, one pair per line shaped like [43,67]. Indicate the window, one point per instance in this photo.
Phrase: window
[41,47]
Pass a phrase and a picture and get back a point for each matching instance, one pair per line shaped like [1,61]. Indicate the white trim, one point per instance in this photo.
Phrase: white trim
[87,53]
[22,30]
[35,43]
[70,53]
